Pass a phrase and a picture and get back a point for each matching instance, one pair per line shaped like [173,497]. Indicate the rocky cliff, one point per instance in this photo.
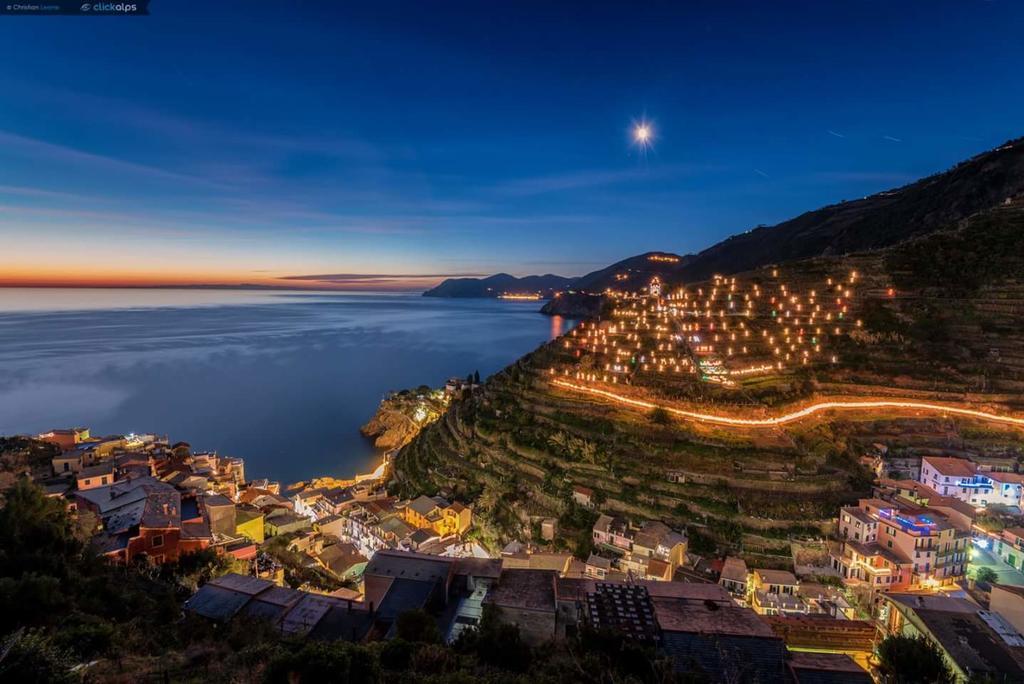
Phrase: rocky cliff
[402,415]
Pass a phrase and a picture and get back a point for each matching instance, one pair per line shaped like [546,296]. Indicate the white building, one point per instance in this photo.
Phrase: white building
[960,478]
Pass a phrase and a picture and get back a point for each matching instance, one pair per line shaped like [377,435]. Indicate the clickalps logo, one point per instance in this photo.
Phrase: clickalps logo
[109,7]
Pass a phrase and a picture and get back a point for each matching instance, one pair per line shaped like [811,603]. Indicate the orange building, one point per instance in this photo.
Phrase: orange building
[65,439]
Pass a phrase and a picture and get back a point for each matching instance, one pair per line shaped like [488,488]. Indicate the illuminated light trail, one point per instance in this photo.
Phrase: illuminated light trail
[795,415]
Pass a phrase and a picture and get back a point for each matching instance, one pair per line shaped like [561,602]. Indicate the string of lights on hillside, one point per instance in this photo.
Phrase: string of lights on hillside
[793,416]
[724,332]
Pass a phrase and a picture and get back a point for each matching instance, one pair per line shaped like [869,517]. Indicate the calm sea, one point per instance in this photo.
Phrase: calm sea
[282,379]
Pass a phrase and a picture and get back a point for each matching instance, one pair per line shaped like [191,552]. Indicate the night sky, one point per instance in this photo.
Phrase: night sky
[249,141]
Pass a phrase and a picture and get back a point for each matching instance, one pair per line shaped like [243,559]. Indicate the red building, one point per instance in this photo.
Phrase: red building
[141,518]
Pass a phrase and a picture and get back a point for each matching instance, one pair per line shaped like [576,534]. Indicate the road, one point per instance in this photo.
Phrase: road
[794,416]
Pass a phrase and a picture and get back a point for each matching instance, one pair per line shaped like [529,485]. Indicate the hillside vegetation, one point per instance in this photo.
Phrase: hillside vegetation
[941,319]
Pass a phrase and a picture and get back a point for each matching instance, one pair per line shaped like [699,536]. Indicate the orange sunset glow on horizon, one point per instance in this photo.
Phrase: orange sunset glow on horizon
[43,277]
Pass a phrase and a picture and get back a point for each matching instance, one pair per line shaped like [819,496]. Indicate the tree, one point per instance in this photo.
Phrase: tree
[30,657]
[912,660]
[476,377]
[986,574]
[36,534]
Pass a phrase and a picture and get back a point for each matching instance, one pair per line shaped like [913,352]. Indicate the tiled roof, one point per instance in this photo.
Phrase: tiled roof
[659,568]
[708,617]
[422,505]
[776,576]
[340,557]
[163,509]
[826,668]
[525,589]
[726,657]
[954,467]
[216,603]
[734,569]
[97,470]
[413,566]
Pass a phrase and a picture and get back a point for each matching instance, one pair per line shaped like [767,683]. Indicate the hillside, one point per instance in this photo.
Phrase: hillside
[586,296]
[633,273]
[881,220]
[501,284]
[934,319]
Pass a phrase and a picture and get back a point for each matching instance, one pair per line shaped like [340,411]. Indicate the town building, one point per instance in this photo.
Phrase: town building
[284,522]
[978,645]
[775,592]
[249,523]
[95,476]
[436,513]
[889,545]
[852,638]
[809,667]
[66,439]
[734,577]
[964,480]
[697,626]
[583,496]
[142,518]
[651,551]
[526,598]
[1008,601]
[959,512]
[598,567]
[342,560]
[625,609]
[293,612]
[1009,547]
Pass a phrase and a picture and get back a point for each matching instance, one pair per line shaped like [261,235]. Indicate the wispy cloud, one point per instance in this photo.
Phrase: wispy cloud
[891,139]
[759,172]
[64,154]
[372,281]
[588,178]
[25,191]
[834,133]
[352,277]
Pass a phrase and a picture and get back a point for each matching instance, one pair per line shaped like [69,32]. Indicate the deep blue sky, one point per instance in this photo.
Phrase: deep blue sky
[267,139]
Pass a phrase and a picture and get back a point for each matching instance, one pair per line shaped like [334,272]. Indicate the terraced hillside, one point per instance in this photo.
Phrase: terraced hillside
[934,320]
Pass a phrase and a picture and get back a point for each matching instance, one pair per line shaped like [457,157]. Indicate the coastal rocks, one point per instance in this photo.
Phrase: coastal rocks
[574,305]
[390,428]
[402,415]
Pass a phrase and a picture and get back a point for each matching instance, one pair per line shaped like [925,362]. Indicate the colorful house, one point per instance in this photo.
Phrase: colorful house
[249,524]
[435,513]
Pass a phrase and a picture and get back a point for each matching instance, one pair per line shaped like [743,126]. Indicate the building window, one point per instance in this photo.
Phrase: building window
[158,541]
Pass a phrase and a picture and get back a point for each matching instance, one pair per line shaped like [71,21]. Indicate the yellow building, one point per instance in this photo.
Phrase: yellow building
[435,513]
[249,524]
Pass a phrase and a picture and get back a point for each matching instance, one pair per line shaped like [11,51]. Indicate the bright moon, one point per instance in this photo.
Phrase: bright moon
[643,135]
